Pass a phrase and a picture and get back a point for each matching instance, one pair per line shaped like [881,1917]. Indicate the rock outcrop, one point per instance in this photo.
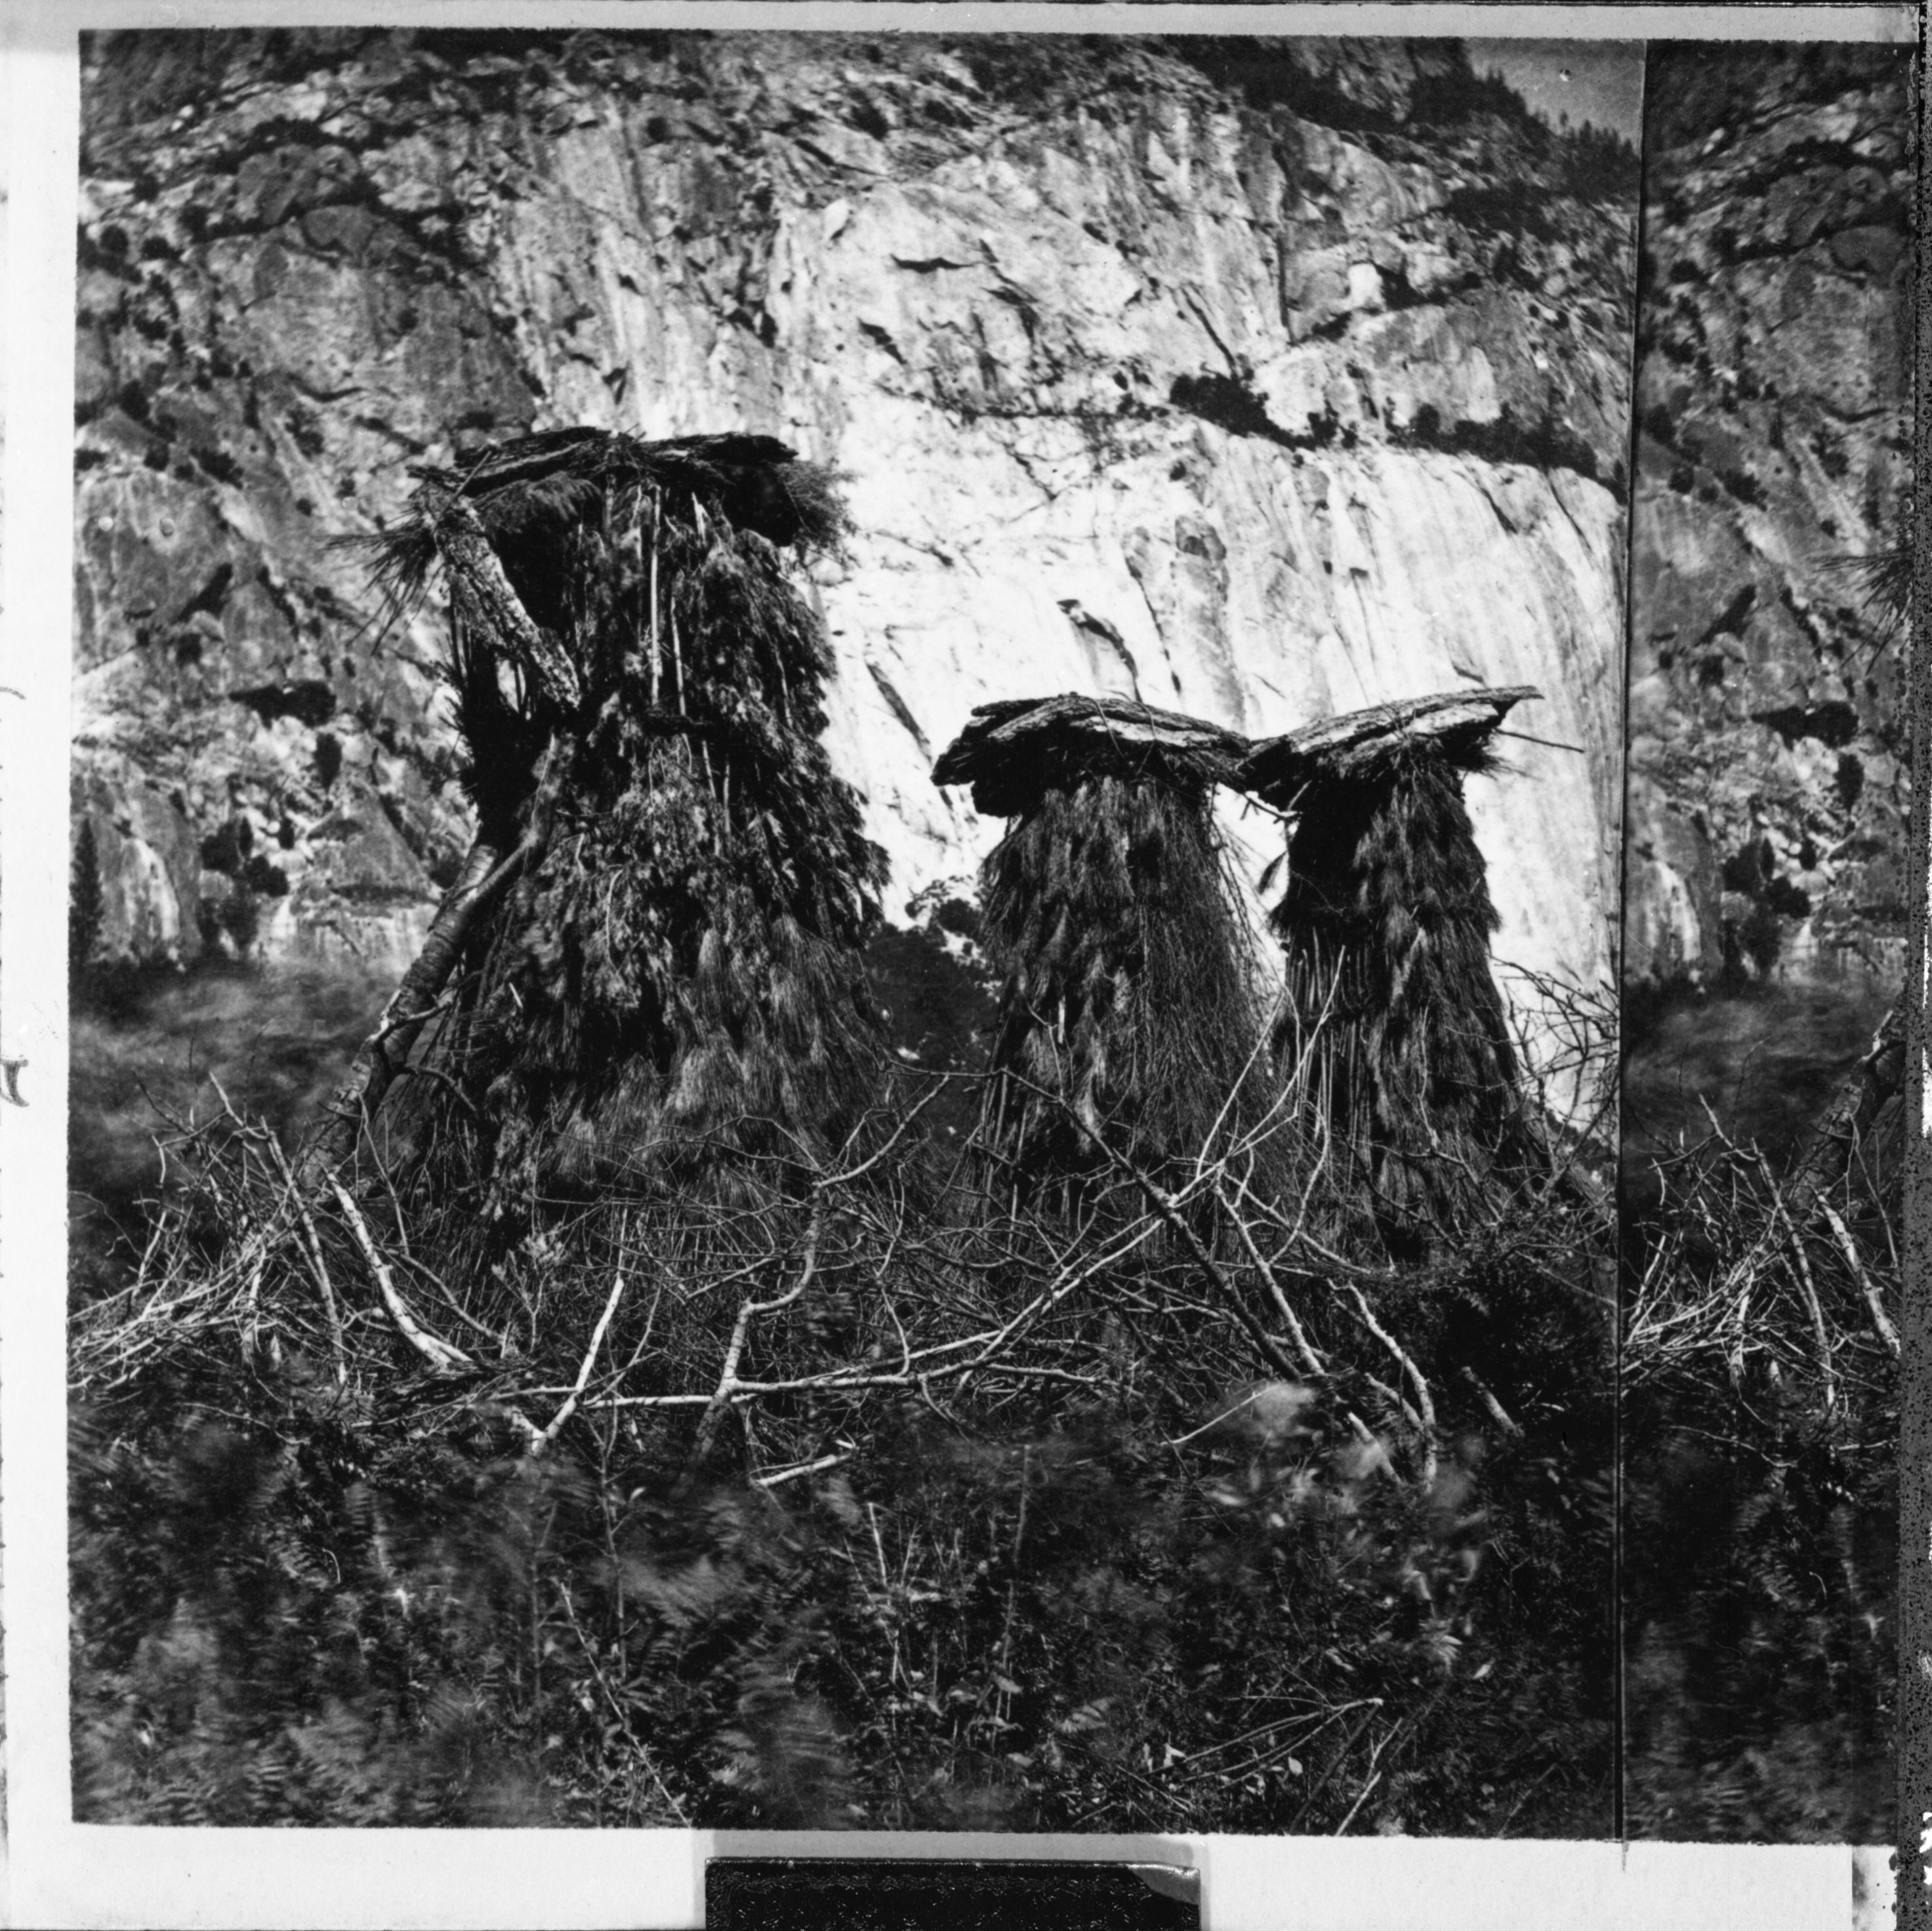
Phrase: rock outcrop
[1768,765]
[1260,384]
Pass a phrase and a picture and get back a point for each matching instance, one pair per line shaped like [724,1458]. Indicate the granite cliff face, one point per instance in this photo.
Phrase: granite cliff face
[1768,764]
[1300,370]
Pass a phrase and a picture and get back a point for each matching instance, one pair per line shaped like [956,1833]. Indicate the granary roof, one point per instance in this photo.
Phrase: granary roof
[1012,751]
[564,475]
[1457,724]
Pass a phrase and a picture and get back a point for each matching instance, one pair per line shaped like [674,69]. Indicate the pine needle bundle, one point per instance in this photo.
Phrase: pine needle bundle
[672,982]
[1392,1011]
[1129,1018]
[1883,579]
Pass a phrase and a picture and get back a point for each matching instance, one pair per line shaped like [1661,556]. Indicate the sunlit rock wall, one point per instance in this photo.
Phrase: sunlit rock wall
[1302,372]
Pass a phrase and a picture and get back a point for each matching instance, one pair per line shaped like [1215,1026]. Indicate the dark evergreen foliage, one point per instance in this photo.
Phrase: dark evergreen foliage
[1884,579]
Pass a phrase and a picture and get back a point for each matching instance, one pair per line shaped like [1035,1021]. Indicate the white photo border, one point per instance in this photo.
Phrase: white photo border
[59,1874]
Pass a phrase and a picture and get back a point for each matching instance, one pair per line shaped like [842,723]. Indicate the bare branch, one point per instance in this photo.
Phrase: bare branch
[312,1243]
[569,1408]
[1423,1401]
[443,1356]
[727,1379]
[1313,1361]
[803,1468]
[1802,1272]
[1849,1247]
[1167,1207]
[1498,1413]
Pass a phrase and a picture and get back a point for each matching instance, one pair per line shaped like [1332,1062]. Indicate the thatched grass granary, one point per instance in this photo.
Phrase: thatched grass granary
[655,945]
[1128,1013]
[1392,1013]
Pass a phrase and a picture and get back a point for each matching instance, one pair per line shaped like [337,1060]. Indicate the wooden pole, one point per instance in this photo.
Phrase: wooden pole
[484,598]
[486,874]
[490,608]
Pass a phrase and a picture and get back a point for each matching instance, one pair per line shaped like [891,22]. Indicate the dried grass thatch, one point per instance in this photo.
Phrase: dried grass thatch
[1386,920]
[672,973]
[1129,1017]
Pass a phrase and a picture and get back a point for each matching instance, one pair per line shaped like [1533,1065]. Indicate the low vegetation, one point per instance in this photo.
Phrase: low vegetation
[1760,1430]
[886,1502]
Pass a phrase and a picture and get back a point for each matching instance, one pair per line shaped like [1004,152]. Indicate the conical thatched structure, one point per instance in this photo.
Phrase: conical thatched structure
[654,945]
[1392,1011]
[1128,1014]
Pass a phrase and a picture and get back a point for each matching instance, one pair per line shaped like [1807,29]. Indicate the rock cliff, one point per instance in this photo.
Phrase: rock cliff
[1261,380]
[1768,765]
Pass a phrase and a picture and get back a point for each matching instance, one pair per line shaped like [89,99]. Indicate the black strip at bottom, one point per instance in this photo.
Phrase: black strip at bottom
[905,1894]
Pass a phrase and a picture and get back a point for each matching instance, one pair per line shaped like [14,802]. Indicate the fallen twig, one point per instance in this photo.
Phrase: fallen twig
[1802,1272]
[312,1242]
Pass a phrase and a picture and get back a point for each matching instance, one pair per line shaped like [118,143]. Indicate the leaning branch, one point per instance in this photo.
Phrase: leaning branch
[1424,1403]
[445,1357]
[1498,1413]
[1801,1273]
[1881,1321]
[728,1386]
[485,600]
[486,873]
[539,1443]
[1880,1076]
[312,1246]
[1311,1360]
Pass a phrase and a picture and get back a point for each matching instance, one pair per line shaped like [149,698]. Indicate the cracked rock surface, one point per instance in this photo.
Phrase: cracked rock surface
[1768,764]
[1259,388]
